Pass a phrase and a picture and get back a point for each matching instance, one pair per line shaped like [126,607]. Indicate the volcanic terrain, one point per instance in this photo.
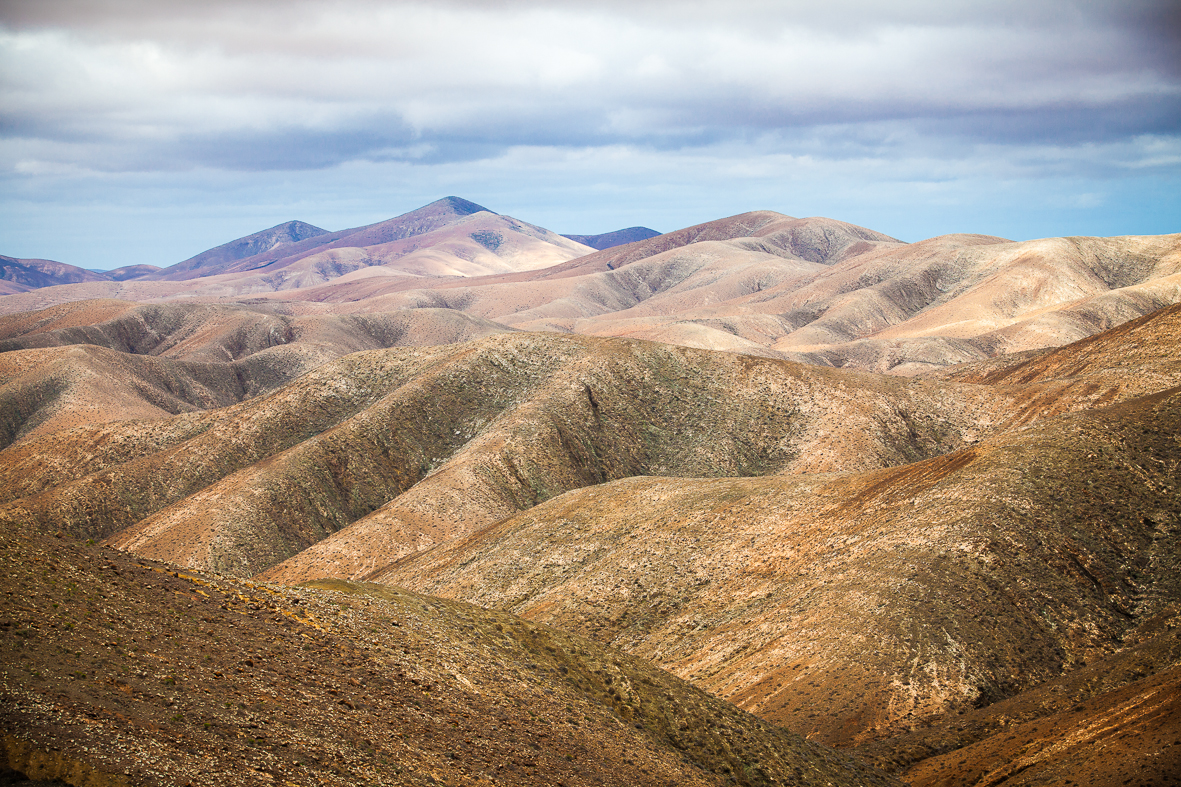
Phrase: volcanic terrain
[453,499]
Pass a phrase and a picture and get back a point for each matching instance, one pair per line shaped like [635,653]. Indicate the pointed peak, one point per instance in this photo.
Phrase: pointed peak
[460,206]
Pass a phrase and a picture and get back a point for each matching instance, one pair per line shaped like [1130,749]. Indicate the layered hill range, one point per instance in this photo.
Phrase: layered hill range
[950,574]
[814,290]
[962,573]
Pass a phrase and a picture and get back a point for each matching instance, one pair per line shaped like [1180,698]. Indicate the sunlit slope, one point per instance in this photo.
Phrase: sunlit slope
[414,447]
[123,671]
[852,607]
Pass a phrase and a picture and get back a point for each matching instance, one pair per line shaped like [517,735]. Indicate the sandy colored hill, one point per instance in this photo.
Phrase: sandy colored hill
[814,290]
[150,361]
[120,671]
[425,445]
[450,237]
[201,332]
[817,291]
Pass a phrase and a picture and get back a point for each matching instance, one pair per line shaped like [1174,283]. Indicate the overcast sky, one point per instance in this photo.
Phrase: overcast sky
[146,132]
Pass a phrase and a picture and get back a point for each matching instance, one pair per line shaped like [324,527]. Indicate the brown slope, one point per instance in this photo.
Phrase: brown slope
[230,332]
[97,498]
[1114,721]
[125,672]
[72,314]
[611,409]
[856,607]
[45,391]
[498,425]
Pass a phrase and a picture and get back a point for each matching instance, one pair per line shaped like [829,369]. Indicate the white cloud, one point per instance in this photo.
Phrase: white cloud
[519,73]
[692,105]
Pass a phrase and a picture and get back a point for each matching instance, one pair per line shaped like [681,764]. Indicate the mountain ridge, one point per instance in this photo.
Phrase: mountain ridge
[606,240]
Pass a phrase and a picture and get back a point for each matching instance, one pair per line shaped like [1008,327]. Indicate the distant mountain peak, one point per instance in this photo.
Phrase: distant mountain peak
[279,235]
[609,240]
[460,206]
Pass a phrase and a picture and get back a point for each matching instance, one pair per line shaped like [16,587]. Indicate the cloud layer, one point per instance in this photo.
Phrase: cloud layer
[912,91]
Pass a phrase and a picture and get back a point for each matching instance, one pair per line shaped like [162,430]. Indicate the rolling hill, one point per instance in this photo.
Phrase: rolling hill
[124,671]
[916,501]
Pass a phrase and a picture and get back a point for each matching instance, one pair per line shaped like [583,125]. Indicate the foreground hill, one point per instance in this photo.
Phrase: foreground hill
[122,671]
[886,598]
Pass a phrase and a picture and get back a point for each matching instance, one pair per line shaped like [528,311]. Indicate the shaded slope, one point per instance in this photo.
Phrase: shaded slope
[120,671]
[203,332]
[856,607]
[96,504]
[46,391]
[264,242]
[607,240]
[606,410]
[1114,721]
[493,427]
[151,361]
[22,275]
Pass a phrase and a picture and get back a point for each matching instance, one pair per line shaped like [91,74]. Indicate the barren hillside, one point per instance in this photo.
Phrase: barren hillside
[965,572]
[120,671]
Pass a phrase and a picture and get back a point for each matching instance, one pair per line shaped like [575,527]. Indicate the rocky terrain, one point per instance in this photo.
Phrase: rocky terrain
[120,671]
[962,571]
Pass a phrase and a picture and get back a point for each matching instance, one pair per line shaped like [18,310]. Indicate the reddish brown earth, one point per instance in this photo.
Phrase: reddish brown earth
[967,577]
[120,671]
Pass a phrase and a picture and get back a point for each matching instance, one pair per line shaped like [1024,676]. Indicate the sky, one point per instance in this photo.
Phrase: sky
[145,132]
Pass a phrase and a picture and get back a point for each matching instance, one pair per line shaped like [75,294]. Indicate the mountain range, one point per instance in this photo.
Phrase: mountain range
[765,500]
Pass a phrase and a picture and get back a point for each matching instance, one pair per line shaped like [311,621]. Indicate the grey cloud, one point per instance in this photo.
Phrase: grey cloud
[277,85]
